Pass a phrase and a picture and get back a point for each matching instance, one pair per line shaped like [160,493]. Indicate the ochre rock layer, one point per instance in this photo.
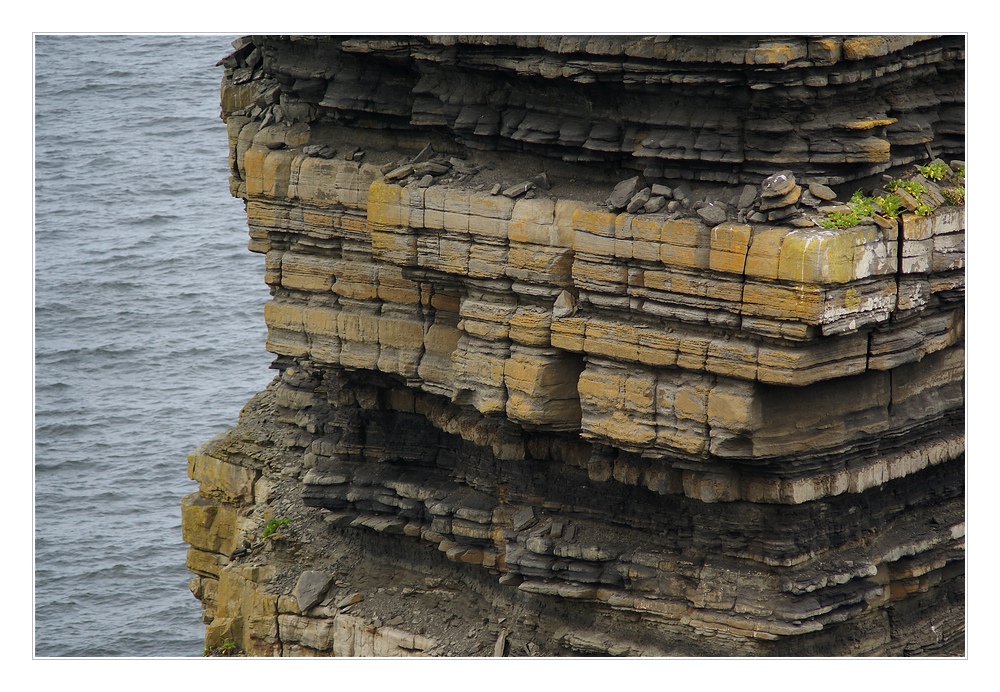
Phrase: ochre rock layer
[566,366]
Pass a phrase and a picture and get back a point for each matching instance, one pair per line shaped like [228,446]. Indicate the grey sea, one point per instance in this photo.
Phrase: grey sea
[148,328]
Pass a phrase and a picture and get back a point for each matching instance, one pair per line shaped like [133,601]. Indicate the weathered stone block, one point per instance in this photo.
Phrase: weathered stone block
[765,251]
[219,478]
[594,222]
[306,272]
[208,525]
[730,243]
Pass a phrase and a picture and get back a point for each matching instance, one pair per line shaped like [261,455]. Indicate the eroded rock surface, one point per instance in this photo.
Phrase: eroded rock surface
[572,359]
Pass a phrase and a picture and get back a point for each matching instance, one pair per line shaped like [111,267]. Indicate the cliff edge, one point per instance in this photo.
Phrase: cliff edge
[595,345]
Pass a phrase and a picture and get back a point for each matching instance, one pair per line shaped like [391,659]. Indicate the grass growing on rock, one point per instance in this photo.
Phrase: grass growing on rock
[935,171]
[863,207]
[272,526]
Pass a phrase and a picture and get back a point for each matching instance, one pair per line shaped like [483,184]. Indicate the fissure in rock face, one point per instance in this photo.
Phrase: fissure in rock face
[585,345]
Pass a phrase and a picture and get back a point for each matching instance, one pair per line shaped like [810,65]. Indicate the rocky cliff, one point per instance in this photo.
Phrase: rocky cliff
[595,345]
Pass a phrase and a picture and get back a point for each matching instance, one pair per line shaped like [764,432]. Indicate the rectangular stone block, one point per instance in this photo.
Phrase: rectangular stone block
[567,333]
[603,406]
[591,244]
[657,348]
[542,388]
[594,273]
[453,256]
[283,315]
[917,256]
[836,256]
[535,264]
[949,252]
[487,261]
[385,209]
[594,222]
[267,171]
[779,301]
[730,243]
[208,525]
[732,358]
[616,340]
[488,230]
[329,181]
[765,252]
[817,257]
[529,325]
[681,409]
[304,272]
[440,342]
[219,478]
[394,288]
[491,206]
[434,208]
[355,279]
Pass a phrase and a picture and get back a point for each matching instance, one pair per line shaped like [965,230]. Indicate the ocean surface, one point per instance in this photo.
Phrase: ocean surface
[149,332]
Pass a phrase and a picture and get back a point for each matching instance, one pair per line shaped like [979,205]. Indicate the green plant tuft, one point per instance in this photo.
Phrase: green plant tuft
[911,186]
[840,219]
[892,205]
[862,208]
[934,171]
[954,196]
[272,526]
[226,648]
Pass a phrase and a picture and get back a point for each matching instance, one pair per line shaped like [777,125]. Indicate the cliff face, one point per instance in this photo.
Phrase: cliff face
[582,350]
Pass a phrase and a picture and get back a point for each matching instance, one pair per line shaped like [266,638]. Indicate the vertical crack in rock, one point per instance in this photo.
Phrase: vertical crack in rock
[586,345]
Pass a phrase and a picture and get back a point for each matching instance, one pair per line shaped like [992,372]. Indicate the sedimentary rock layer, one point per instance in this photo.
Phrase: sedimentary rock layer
[544,377]
[711,108]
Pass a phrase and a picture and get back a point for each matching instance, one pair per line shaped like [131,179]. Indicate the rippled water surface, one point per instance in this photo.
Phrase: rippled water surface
[149,332]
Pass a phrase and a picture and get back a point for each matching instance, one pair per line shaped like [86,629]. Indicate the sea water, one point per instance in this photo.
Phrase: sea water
[148,326]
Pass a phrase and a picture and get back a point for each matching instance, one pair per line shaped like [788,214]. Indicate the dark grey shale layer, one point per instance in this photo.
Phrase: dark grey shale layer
[148,332]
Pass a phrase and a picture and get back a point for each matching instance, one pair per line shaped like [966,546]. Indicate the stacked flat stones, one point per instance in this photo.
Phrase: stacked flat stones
[729,109]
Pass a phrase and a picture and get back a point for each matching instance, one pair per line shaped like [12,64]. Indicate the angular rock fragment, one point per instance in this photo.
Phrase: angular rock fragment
[515,191]
[399,173]
[311,588]
[747,197]
[661,191]
[541,181]
[713,213]
[431,168]
[778,184]
[654,204]
[638,200]
[822,192]
[624,192]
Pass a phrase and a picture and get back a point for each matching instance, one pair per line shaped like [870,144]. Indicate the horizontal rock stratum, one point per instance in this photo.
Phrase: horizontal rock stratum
[585,345]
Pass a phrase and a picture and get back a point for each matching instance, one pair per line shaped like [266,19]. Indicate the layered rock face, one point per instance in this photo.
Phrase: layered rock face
[581,351]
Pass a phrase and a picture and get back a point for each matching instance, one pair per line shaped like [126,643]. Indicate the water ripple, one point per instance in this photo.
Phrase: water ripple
[148,332]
